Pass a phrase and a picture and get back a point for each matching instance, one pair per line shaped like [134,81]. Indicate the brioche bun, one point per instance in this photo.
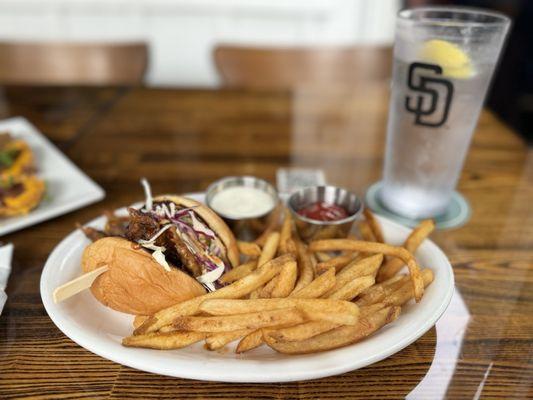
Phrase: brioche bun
[135,283]
[213,221]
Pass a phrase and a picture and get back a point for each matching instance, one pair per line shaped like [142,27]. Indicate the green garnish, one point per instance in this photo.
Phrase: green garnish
[8,157]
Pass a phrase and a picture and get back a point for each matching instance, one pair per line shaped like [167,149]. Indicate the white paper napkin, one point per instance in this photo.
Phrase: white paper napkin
[6,254]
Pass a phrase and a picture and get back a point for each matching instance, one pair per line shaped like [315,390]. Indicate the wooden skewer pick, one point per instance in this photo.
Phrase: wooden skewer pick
[77,285]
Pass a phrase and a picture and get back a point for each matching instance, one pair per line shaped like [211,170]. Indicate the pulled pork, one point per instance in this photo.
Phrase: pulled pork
[177,245]
[143,226]
[92,234]
[115,225]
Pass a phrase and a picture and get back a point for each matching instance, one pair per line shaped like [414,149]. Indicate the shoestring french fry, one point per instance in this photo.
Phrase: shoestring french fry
[249,342]
[217,341]
[139,320]
[318,287]
[249,249]
[366,232]
[285,281]
[285,233]
[393,265]
[291,246]
[356,269]
[164,341]
[268,253]
[252,320]
[416,238]
[353,288]
[300,332]
[323,257]
[419,234]
[269,249]
[305,266]
[378,292]
[392,281]
[266,291]
[331,231]
[239,272]
[351,236]
[406,293]
[374,247]
[342,313]
[371,309]
[314,262]
[168,329]
[282,284]
[374,225]
[337,262]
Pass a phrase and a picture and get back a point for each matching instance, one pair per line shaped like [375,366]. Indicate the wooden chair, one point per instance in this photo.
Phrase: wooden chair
[282,68]
[72,63]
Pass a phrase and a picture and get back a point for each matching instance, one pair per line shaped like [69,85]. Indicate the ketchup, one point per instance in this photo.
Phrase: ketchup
[322,211]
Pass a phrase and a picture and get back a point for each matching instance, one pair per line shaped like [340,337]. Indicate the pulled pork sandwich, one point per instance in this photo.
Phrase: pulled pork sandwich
[170,250]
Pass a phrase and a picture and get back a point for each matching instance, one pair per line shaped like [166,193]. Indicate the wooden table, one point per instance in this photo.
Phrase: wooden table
[184,139]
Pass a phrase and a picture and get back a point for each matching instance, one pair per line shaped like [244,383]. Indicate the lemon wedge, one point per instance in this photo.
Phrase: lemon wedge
[454,62]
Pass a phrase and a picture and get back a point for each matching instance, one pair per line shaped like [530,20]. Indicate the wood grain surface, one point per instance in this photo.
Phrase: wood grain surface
[182,140]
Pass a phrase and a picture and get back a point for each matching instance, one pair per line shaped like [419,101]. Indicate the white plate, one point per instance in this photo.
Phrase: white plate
[100,329]
[67,188]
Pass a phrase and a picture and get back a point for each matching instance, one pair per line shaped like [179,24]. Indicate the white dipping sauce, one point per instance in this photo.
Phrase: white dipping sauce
[242,202]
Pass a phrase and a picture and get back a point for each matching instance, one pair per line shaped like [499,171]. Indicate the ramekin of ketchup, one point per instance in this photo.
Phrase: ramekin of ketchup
[324,211]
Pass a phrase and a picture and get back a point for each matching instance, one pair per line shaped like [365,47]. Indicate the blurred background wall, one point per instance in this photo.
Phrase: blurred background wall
[181,34]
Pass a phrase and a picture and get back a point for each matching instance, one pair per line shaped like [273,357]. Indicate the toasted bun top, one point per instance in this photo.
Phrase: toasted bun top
[213,221]
[135,283]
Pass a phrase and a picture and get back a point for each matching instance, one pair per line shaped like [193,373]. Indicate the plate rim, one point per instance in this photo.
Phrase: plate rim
[221,376]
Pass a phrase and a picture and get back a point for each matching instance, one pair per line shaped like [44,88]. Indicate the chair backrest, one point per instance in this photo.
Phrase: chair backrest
[281,68]
[46,63]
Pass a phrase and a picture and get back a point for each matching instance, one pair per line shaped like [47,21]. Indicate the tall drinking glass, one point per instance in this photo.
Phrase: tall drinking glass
[444,59]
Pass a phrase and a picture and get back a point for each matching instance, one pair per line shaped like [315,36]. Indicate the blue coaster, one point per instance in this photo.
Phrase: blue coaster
[457,214]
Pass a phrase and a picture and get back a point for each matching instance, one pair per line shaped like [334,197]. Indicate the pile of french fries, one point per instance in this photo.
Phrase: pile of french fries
[297,298]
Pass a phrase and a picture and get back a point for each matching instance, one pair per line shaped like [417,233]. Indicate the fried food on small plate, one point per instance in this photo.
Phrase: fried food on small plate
[20,195]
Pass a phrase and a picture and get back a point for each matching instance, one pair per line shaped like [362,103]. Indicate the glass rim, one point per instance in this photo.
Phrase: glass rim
[500,19]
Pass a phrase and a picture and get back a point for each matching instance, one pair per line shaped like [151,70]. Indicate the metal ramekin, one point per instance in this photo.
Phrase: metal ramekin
[244,228]
[310,229]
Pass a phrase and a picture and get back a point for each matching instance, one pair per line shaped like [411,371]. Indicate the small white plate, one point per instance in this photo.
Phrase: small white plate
[67,187]
[100,329]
